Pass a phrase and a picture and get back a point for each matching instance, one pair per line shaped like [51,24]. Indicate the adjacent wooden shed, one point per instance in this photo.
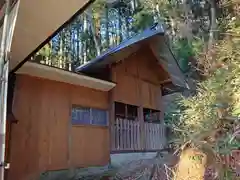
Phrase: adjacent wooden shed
[44,138]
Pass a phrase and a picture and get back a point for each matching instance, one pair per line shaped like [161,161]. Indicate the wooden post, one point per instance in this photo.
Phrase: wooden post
[111,117]
[140,111]
[142,134]
[69,151]
[161,118]
[125,131]
[111,121]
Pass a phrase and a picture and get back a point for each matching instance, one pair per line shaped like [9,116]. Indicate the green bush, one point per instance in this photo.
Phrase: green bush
[208,119]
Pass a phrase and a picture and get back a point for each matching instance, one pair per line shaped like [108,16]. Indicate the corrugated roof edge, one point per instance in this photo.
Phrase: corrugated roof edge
[148,33]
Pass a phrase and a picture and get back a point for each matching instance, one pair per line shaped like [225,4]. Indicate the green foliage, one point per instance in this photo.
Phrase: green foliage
[208,120]
[107,23]
[45,51]
[142,20]
[204,121]
[227,174]
[186,50]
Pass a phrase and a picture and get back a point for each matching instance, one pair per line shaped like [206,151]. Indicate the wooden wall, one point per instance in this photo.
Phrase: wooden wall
[44,138]
[138,79]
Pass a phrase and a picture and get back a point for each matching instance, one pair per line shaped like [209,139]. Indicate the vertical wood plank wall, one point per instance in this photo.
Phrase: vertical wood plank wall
[44,139]
[140,70]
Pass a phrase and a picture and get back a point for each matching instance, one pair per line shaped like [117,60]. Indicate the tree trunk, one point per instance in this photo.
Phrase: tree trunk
[213,29]
[107,27]
[78,40]
[127,27]
[65,48]
[133,4]
[157,14]
[187,29]
[60,50]
[92,27]
[50,51]
[173,24]
[70,50]
[85,25]
[119,28]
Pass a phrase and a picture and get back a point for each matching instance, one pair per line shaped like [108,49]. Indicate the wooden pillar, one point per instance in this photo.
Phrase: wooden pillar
[161,118]
[111,121]
[111,117]
[69,141]
[161,105]
[140,111]
[142,133]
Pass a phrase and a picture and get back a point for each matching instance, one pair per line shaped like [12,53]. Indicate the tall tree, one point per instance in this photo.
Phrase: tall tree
[107,23]
[93,30]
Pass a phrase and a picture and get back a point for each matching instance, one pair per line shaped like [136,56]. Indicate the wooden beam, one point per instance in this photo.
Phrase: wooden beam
[141,151]
[56,74]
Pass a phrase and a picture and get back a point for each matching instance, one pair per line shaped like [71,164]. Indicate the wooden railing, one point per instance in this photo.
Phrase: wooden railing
[128,135]
[154,136]
[125,135]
